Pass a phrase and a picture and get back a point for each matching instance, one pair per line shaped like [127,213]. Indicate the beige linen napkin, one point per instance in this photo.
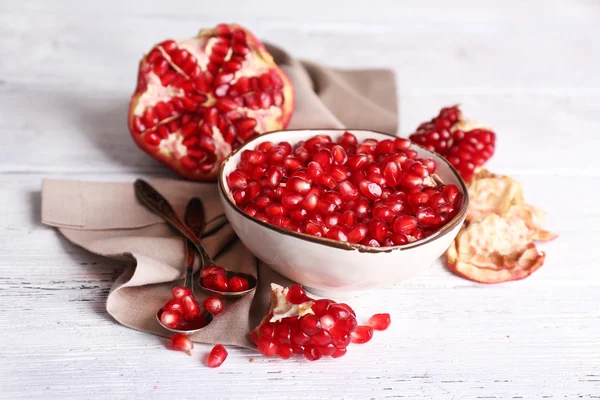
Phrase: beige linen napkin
[106,218]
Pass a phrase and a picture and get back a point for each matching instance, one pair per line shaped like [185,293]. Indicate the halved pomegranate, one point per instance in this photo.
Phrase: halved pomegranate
[197,99]
[465,144]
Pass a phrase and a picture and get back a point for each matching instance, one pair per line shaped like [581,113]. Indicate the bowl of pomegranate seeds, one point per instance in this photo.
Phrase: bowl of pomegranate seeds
[342,211]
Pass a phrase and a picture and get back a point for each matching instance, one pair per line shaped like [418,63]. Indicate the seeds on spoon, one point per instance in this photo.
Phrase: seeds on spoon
[182,312]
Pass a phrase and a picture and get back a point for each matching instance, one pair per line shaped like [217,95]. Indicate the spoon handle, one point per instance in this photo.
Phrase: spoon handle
[154,201]
[195,220]
[160,206]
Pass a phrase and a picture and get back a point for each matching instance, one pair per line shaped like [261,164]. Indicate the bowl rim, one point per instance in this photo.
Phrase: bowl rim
[458,218]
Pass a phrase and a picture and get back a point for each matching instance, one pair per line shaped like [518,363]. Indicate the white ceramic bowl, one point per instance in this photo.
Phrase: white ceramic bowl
[329,267]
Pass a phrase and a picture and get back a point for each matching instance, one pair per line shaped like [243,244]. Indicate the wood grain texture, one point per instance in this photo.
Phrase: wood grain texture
[530,69]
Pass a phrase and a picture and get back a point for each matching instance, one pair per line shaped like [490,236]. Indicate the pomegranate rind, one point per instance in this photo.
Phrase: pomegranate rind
[173,151]
[496,243]
[491,193]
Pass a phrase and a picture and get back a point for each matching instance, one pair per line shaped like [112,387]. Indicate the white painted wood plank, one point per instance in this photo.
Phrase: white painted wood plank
[64,129]
[479,56]
[450,337]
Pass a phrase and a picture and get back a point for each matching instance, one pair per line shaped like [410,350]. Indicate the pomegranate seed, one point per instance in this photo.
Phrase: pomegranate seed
[321,338]
[216,282]
[378,230]
[190,308]
[310,324]
[362,334]
[237,180]
[217,356]
[282,334]
[213,304]
[180,292]
[311,353]
[171,319]
[404,224]
[370,190]
[285,352]
[210,270]
[337,234]
[300,338]
[320,307]
[380,322]
[326,350]
[266,346]
[339,353]
[348,191]
[296,294]
[173,305]
[358,233]
[237,284]
[383,213]
[181,342]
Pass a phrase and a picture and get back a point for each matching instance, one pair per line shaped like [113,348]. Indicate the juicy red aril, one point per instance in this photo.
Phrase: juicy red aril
[266,346]
[217,356]
[180,292]
[339,353]
[171,319]
[380,322]
[310,324]
[180,342]
[320,306]
[404,224]
[237,284]
[285,352]
[211,270]
[190,308]
[311,353]
[216,282]
[362,334]
[370,190]
[296,294]
[213,304]
[357,233]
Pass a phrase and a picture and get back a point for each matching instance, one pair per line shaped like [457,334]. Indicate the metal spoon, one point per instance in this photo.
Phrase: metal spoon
[160,206]
[194,219]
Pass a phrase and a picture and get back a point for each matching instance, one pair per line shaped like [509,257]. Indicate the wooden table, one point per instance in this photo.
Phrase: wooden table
[529,69]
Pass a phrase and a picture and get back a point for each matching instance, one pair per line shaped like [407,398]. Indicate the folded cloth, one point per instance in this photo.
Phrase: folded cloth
[106,218]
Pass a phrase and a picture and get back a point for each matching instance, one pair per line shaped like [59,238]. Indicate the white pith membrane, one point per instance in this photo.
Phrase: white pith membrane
[256,63]
[280,308]
[496,243]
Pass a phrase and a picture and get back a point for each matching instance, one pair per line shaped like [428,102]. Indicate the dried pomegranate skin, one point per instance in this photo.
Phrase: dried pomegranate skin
[198,99]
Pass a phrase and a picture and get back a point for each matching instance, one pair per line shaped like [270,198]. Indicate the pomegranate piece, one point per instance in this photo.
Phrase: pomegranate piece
[217,356]
[370,193]
[465,145]
[298,324]
[380,322]
[181,342]
[213,304]
[197,99]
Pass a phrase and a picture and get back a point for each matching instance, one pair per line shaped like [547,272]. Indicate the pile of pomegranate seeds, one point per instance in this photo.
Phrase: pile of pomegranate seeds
[197,99]
[377,193]
[295,324]
[463,144]
[182,312]
[214,277]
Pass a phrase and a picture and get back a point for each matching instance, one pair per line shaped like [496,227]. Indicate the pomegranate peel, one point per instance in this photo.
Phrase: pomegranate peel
[493,250]
[199,98]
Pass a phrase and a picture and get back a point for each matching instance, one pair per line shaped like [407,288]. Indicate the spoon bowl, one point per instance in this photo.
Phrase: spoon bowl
[252,284]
